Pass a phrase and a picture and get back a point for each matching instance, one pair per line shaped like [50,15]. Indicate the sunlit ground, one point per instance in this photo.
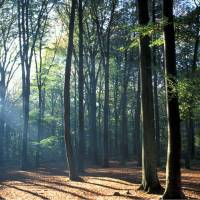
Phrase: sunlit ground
[111,183]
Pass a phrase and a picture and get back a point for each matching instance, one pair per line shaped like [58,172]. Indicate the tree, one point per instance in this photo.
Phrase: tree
[8,66]
[81,90]
[27,41]
[41,77]
[91,52]
[155,88]
[137,117]
[104,45]
[173,173]
[150,180]
[191,129]
[68,142]
[124,118]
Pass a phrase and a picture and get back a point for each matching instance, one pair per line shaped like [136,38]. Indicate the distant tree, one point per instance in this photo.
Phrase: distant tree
[124,117]
[8,66]
[27,42]
[91,58]
[137,129]
[104,45]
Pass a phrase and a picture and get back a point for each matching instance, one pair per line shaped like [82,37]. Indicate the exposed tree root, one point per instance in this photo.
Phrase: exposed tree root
[76,178]
[173,195]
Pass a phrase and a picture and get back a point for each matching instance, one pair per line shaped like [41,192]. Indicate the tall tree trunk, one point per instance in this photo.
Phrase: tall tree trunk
[116,114]
[104,43]
[22,22]
[93,110]
[157,119]
[62,145]
[173,172]
[26,96]
[106,109]
[39,126]
[2,113]
[189,146]
[124,118]
[150,180]
[99,136]
[155,90]
[137,134]
[81,90]
[191,114]
[68,141]
[76,136]
[26,54]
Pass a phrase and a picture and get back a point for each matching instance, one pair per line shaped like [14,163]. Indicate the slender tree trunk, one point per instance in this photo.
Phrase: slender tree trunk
[93,110]
[99,137]
[62,145]
[26,54]
[105,54]
[39,126]
[26,94]
[2,112]
[157,117]
[22,22]
[150,180]
[7,142]
[124,118]
[81,90]
[189,141]
[76,136]
[137,134]
[116,114]
[191,114]
[155,90]
[173,172]
[192,132]
[106,110]
[68,141]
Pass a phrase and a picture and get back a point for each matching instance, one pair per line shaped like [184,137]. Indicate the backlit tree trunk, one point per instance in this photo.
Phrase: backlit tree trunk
[173,172]
[67,132]
[150,180]
[81,91]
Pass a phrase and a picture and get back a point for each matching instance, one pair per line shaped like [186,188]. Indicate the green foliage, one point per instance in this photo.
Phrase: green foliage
[189,96]
[157,42]
[49,143]
[150,29]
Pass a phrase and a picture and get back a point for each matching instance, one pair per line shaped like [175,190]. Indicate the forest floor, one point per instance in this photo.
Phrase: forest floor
[98,183]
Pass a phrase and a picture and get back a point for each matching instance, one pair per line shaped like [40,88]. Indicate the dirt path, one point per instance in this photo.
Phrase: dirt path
[112,183]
